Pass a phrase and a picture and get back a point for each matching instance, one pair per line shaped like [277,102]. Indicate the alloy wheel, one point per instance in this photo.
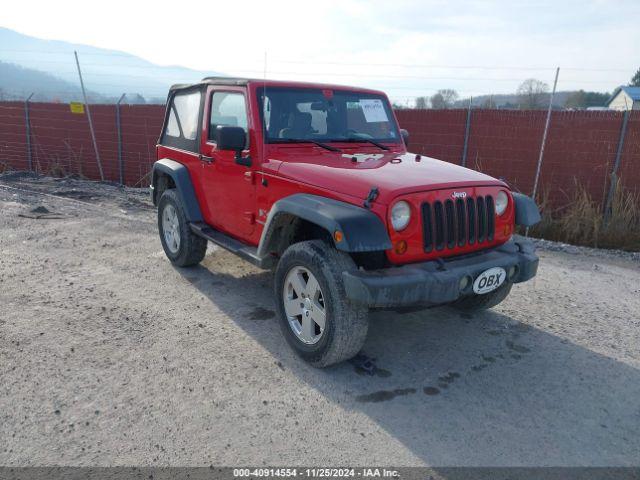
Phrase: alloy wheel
[304,305]
[171,228]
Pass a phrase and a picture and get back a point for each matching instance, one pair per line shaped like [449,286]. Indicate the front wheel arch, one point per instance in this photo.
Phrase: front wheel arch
[360,229]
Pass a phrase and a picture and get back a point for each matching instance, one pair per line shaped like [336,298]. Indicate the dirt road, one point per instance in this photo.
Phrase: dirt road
[110,356]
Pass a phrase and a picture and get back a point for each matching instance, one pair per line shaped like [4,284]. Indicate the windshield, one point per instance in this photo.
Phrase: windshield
[325,115]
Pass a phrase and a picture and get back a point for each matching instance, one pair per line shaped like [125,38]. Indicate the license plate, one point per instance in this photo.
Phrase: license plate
[489,280]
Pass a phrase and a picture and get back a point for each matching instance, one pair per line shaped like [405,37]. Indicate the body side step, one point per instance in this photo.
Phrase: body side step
[244,251]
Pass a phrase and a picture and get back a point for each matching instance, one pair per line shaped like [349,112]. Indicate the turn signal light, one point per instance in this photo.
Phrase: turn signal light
[337,236]
[400,247]
[507,230]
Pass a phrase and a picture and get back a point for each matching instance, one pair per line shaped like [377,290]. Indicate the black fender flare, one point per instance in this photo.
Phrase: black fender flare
[527,212]
[362,230]
[181,178]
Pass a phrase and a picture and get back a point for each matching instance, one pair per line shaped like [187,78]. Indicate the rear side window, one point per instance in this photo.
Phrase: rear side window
[173,130]
[183,121]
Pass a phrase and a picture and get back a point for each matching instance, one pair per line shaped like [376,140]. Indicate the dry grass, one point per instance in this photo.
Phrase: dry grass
[582,222]
[623,228]
[56,168]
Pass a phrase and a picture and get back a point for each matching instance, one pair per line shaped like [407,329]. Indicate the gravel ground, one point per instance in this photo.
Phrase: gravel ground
[110,356]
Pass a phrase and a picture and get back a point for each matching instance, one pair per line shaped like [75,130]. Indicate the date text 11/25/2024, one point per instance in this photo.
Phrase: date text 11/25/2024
[316,472]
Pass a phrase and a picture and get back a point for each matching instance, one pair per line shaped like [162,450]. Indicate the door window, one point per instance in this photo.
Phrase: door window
[228,109]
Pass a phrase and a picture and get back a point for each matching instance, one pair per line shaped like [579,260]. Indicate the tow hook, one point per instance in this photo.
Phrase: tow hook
[373,194]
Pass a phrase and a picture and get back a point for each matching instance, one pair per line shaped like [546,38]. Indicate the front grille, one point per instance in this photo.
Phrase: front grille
[456,223]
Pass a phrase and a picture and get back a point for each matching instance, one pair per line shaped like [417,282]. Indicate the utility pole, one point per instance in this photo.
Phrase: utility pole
[28,128]
[616,165]
[86,104]
[544,141]
[467,128]
[544,135]
[118,129]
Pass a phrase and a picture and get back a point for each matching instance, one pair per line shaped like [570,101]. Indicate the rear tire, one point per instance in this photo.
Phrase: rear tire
[182,247]
[308,278]
[478,303]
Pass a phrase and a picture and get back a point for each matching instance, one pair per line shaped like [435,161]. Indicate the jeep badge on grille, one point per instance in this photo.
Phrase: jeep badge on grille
[459,195]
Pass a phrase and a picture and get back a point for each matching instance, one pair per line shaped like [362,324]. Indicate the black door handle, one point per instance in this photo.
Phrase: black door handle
[205,159]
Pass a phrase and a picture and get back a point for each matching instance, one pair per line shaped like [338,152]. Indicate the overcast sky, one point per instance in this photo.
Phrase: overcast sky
[407,47]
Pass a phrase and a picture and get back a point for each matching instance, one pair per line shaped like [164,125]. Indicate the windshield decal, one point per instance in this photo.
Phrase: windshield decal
[373,110]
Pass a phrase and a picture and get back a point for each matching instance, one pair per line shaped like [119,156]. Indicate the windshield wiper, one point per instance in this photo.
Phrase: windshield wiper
[300,140]
[366,140]
[325,146]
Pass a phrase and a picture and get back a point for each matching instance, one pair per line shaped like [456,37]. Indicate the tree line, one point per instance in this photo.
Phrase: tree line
[531,94]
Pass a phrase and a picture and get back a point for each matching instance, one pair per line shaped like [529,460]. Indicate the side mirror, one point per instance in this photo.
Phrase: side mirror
[405,136]
[235,139]
[230,138]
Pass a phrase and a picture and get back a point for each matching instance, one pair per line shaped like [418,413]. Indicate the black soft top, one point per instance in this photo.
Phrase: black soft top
[242,82]
[236,81]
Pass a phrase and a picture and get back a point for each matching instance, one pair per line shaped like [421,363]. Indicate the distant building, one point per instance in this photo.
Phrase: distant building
[625,98]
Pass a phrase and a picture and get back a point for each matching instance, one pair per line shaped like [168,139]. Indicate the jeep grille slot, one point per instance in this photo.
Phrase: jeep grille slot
[455,223]
[471,220]
[491,218]
[482,219]
[462,222]
[427,227]
[451,227]
[439,225]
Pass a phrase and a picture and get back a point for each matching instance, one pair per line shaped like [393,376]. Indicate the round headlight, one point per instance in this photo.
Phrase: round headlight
[400,215]
[502,200]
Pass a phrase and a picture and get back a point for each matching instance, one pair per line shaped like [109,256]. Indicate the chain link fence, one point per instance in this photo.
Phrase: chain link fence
[597,150]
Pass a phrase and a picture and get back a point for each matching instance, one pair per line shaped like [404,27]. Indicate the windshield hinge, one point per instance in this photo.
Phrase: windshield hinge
[373,194]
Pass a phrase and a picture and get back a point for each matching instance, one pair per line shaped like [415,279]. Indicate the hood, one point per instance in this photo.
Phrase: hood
[394,174]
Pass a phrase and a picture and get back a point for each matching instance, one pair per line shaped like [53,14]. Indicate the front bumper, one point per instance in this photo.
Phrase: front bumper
[438,282]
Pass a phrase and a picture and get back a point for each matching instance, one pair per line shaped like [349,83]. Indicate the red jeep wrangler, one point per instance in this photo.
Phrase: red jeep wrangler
[315,181]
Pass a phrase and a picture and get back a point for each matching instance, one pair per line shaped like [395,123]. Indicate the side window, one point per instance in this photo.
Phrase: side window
[172,125]
[184,113]
[227,109]
[183,121]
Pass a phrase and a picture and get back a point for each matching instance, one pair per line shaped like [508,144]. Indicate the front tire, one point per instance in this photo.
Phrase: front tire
[317,321]
[182,247]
